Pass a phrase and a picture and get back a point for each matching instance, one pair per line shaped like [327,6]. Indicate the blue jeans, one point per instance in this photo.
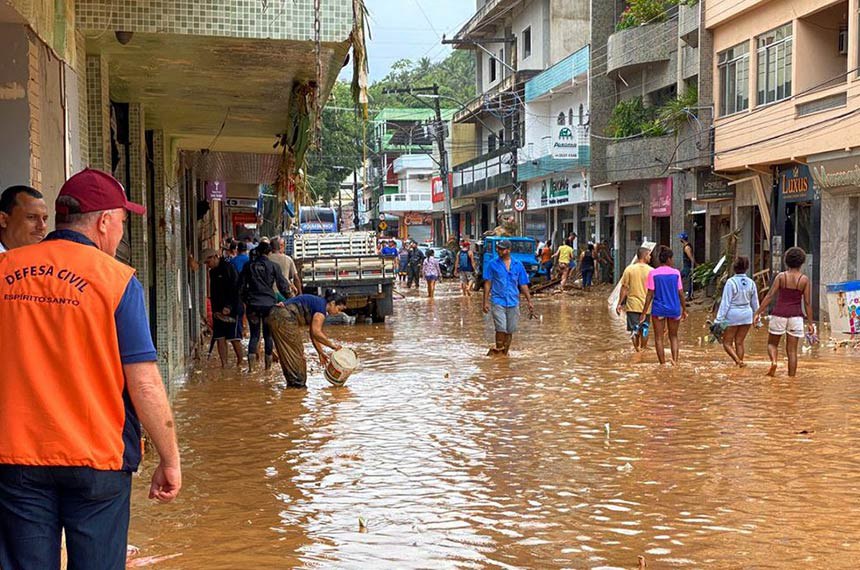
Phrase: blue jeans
[256,321]
[587,276]
[37,502]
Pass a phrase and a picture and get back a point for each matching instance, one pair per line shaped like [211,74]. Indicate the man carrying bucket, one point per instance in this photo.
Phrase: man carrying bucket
[286,324]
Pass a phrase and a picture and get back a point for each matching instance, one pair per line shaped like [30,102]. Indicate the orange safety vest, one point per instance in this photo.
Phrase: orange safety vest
[62,382]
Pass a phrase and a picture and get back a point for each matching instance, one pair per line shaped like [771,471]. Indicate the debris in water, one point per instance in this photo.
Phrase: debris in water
[606,427]
[150,560]
[626,468]
[362,526]
[642,562]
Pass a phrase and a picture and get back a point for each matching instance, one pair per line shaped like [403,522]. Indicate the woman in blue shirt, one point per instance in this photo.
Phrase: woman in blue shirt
[287,323]
[737,307]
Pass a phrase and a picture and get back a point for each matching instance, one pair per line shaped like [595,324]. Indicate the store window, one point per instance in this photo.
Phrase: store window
[774,64]
[734,68]
[492,69]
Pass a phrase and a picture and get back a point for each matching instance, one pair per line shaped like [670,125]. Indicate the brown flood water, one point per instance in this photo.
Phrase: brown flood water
[573,453]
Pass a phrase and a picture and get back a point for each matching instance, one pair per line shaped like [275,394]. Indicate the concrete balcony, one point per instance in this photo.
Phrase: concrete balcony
[695,143]
[485,174]
[639,159]
[514,81]
[643,45]
[402,203]
[490,9]
[690,66]
[688,23]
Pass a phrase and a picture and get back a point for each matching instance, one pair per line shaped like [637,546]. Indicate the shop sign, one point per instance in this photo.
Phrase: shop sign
[506,201]
[558,192]
[216,191]
[661,198]
[713,188]
[417,219]
[836,173]
[438,191]
[242,203]
[795,183]
[565,142]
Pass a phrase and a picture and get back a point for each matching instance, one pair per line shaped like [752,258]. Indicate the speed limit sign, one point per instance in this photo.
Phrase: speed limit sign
[520,204]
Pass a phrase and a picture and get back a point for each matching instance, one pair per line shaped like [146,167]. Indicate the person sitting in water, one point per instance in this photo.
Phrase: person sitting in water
[286,323]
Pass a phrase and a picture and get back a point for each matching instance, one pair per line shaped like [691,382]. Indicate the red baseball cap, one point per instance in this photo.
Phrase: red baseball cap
[96,191]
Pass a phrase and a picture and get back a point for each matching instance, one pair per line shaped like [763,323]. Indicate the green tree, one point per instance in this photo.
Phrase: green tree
[344,137]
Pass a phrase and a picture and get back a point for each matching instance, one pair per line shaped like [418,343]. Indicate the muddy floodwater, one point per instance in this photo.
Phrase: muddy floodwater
[573,453]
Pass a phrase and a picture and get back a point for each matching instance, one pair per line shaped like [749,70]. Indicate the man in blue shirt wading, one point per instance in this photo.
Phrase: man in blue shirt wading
[504,280]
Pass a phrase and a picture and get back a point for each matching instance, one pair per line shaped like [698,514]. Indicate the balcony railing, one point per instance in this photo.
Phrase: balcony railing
[418,202]
[649,43]
[688,23]
[490,8]
[487,172]
[506,85]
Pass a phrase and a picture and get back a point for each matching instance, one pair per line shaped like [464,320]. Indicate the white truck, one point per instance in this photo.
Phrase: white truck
[349,263]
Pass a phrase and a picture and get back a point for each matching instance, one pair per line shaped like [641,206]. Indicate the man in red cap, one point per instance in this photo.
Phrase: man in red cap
[72,404]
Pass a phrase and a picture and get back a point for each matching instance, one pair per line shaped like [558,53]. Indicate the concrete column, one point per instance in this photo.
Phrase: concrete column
[98,112]
[680,184]
[137,193]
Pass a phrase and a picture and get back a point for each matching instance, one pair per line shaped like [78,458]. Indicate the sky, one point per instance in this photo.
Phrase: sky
[411,29]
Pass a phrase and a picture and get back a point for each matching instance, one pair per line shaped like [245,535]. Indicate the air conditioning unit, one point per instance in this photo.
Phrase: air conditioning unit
[843,40]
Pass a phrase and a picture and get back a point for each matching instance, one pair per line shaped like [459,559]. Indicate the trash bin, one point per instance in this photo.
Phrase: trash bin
[843,302]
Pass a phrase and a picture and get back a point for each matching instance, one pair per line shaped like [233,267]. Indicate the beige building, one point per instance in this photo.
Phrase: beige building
[786,128]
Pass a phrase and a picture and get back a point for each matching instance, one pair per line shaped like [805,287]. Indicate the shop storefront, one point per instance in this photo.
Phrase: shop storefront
[836,177]
[711,215]
[560,201]
[661,211]
[797,222]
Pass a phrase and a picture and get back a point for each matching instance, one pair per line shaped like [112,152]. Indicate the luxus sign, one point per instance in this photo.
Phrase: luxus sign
[565,143]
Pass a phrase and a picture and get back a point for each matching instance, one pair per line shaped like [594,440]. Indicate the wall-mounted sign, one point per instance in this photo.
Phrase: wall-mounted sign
[713,187]
[242,203]
[417,219]
[795,183]
[565,142]
[558,192]
[438,191]
[836,173]
[661,198]
[216,191]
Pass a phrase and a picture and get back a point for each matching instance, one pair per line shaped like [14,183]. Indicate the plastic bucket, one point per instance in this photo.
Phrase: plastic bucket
[340,366]
[843,303]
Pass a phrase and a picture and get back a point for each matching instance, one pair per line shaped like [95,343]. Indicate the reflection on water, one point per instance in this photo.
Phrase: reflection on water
[573,453]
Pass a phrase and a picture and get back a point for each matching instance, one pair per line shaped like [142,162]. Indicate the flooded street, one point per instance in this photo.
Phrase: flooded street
[573,453]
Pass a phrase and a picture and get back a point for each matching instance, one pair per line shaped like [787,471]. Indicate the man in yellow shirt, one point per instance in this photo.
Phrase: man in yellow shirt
[632,298]
[564,255]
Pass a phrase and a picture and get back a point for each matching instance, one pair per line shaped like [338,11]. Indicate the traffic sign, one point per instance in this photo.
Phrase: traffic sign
[383,226]
[520,204]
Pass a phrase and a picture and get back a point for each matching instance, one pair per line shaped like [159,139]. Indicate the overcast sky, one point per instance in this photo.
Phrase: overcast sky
[411,29]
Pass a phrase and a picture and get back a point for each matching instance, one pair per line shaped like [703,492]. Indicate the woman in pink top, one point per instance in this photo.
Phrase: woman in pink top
[667,303]
[431,271]
[792,291]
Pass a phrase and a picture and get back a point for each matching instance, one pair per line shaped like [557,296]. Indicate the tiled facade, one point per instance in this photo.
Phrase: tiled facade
[80,67]
[98,112]
[276,19]
[169,266]
[137,192]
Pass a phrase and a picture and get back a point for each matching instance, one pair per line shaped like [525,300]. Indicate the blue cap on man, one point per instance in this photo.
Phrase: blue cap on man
[683,236]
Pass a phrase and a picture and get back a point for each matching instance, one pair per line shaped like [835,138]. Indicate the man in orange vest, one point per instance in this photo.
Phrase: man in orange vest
[72,403]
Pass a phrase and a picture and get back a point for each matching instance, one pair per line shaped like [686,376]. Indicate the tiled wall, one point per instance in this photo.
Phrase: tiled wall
[137,193]
[34,95]
[98,113]
[169,266]
[80,67]
[273,19]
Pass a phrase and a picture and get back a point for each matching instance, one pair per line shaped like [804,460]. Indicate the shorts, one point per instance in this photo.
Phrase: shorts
[563,266]
[465,277]
[431,278]
[226,329]
[633,320]
[781,325]
[505,319]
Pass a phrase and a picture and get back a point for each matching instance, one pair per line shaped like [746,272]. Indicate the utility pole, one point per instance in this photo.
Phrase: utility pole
[439,133]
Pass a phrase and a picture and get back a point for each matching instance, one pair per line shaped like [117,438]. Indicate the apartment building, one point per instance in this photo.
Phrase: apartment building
[513,41]
[786,131]
[650,102]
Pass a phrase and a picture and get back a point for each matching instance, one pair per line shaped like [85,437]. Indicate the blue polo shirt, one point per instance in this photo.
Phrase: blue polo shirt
[240,261]
[505,289]
[131,317]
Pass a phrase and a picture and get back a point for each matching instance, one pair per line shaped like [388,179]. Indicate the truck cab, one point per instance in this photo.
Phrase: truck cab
[523,249]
